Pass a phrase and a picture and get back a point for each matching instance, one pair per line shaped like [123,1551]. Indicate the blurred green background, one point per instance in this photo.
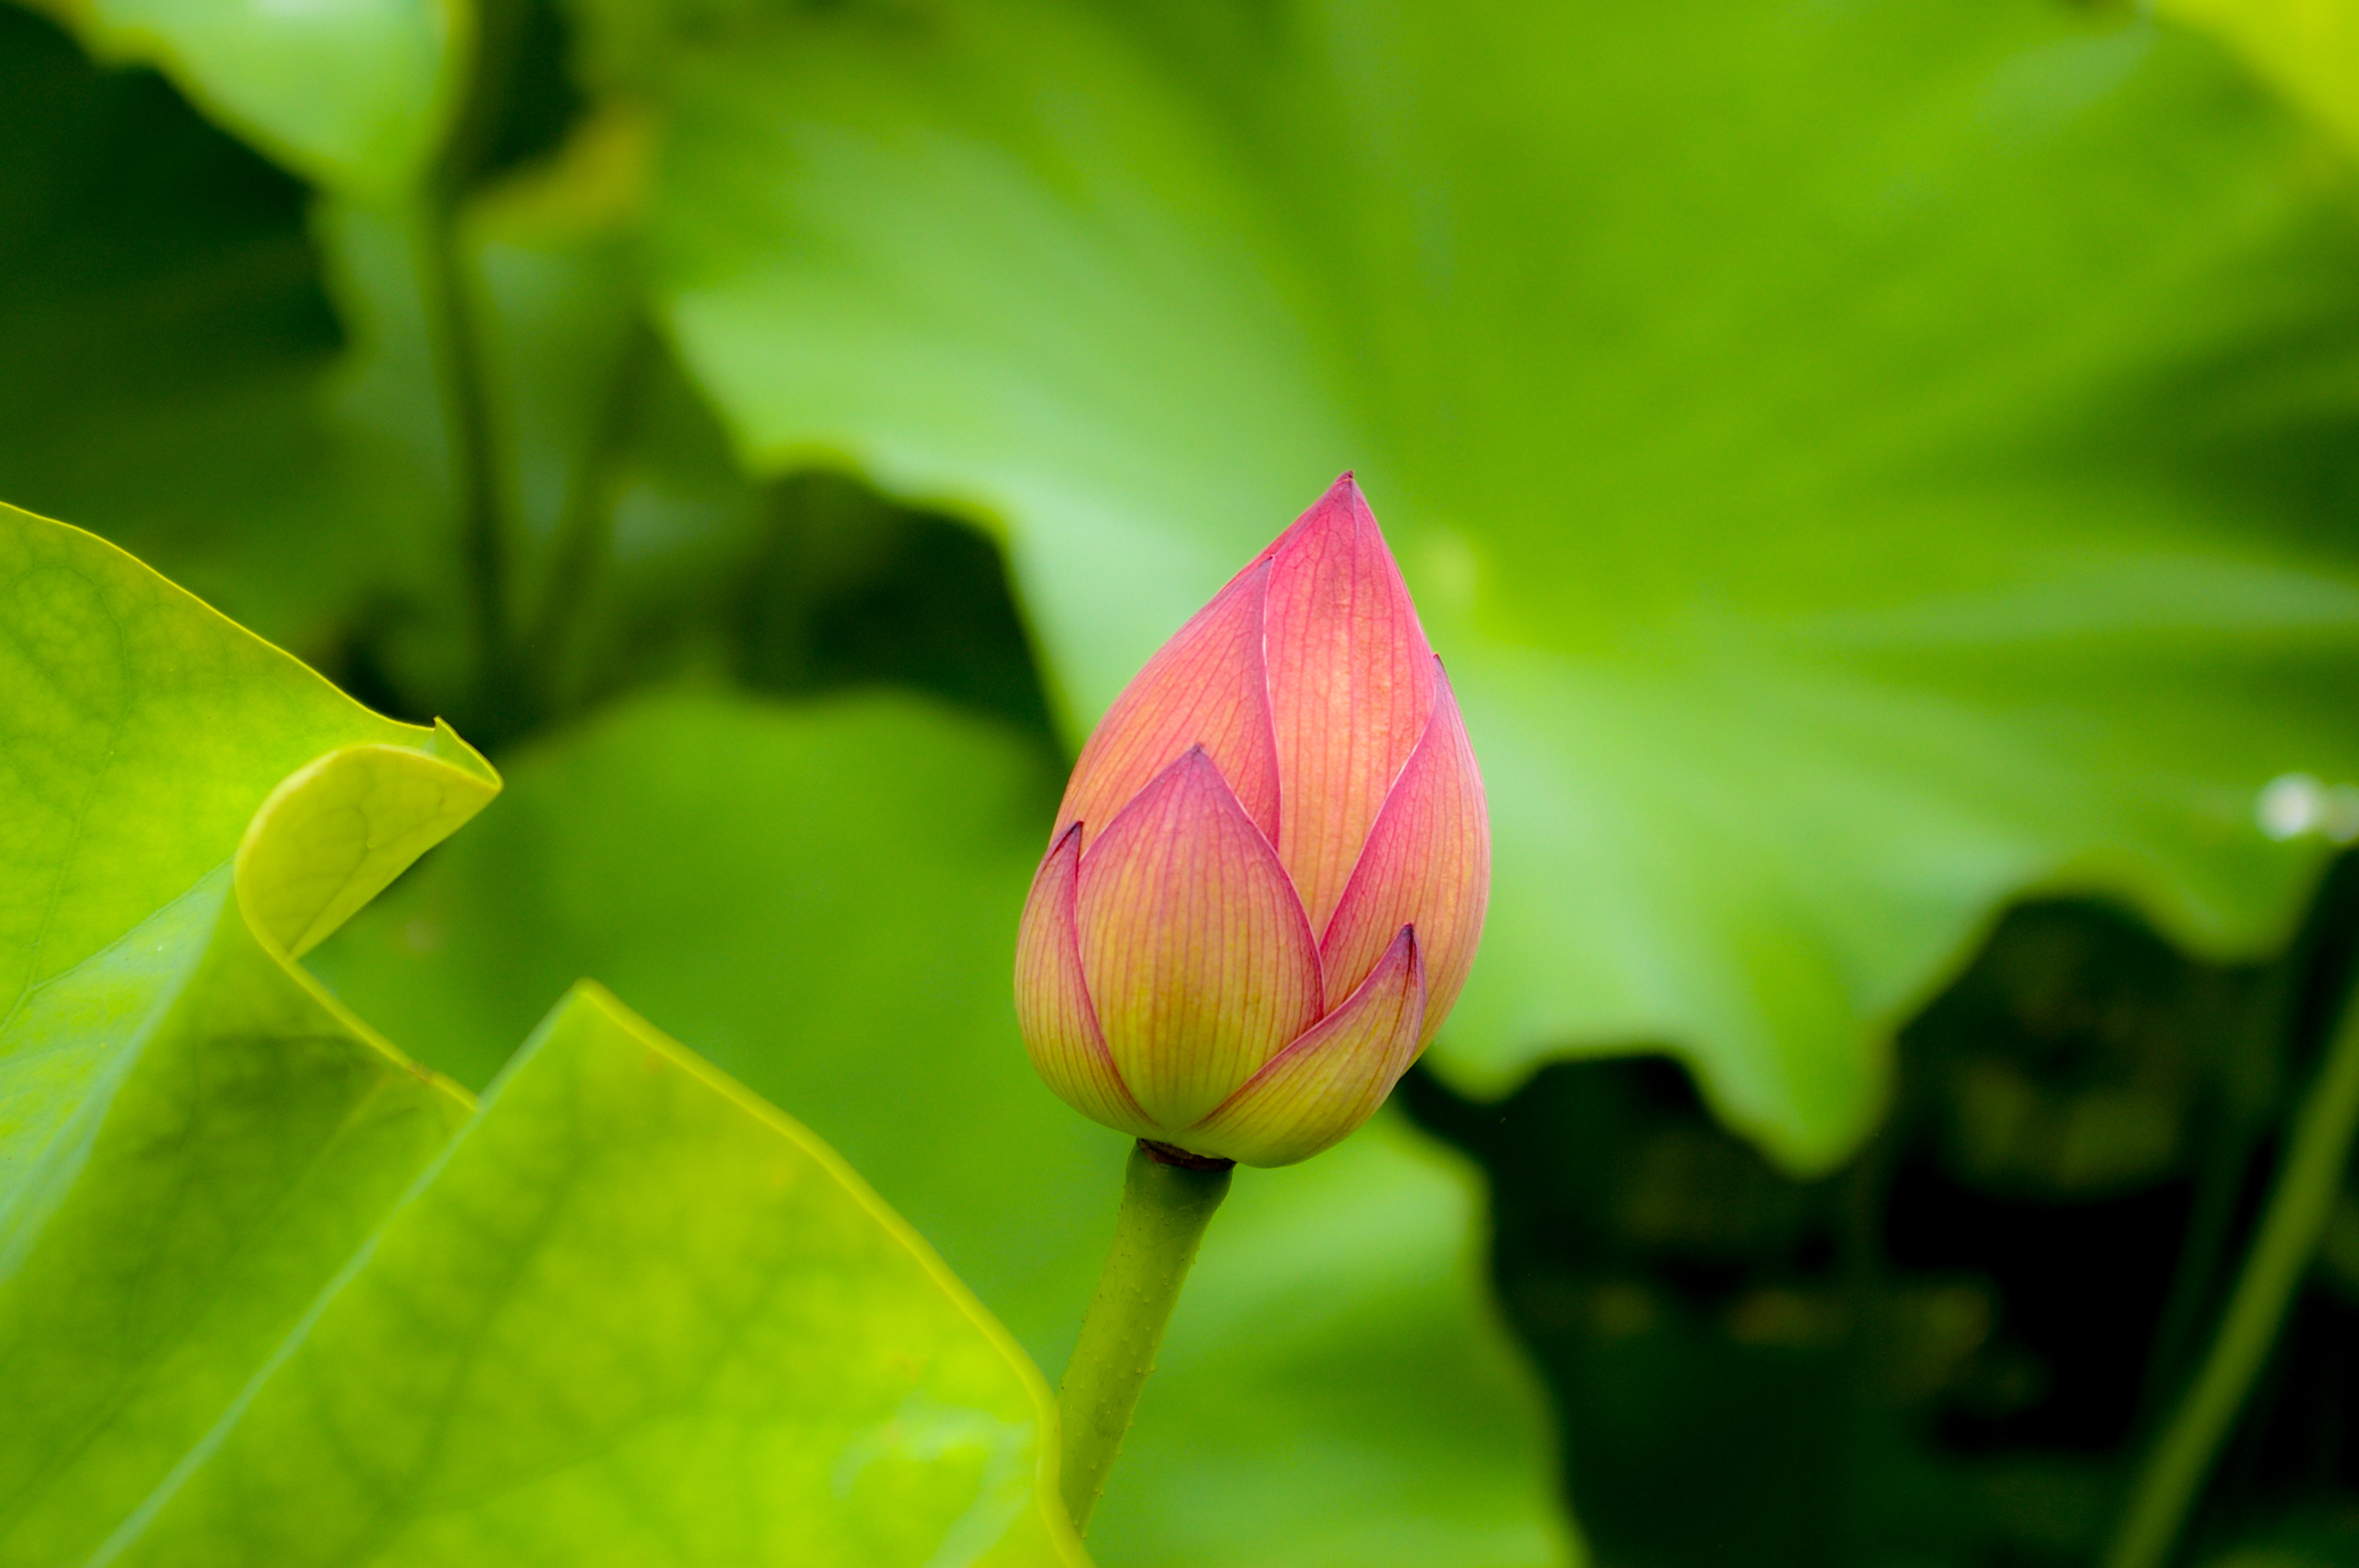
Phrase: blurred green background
[1883,473]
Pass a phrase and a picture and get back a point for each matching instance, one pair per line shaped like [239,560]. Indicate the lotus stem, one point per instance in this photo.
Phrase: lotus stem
[1167,1198]
[2299,1204]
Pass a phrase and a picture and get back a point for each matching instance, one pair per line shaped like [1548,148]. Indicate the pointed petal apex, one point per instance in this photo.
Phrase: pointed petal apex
[1330,1079]
[1351,684]
[1052,1004]
[1427,863]
[1192,943]
[1205,688]
[1343,494]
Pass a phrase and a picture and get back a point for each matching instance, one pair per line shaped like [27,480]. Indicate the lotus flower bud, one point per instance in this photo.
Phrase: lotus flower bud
[1266,881]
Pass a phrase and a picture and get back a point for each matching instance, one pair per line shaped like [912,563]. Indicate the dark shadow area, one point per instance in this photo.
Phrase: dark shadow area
[153,270]
[114,171]
[1950,1350]
[846,589]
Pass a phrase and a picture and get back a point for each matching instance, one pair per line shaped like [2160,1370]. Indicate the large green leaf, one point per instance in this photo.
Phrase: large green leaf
[257,1304]
[826,897]
[632,1316]
[191,1136]
[1860,461]
[150,746]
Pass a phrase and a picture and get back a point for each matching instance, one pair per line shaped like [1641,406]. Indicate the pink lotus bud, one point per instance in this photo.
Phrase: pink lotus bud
[1267,877]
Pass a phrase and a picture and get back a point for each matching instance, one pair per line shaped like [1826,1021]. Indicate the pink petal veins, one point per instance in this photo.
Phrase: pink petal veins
[1193,945]
[1333,1078]
[1205,687]
[1052,1002]
[1351,684]
[1427,863]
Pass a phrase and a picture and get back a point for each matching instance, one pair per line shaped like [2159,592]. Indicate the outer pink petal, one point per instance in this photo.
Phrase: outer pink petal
[1193,943]
[1428,864]
[1205,687]
[1333,1078]
[1052,1003]
[1350,682]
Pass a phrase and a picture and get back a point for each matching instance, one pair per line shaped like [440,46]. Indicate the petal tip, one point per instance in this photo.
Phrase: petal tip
[1330,523]
[1343,499]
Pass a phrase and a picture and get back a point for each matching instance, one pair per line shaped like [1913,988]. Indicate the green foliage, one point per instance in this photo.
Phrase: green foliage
[1809,572]
[194,1136]
[2308,48]
[1822,439]
[354,96]
[270,1291]
[326,535]
[631,1315]
[1862,462]
[245,383]
[826,897]
[165,328]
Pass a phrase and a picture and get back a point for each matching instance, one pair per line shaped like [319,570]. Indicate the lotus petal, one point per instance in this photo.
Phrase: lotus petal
[1427,863]
[1351,684]
[1052,1002]
[1205,687]
[1193,945]
[1333,1078]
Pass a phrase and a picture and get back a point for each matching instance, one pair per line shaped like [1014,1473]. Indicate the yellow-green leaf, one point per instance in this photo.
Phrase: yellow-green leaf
[191,1134]
[634,1316]
[2308,48]
[258,1305]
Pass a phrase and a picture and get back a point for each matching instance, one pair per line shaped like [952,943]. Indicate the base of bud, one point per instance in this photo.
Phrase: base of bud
[1169,1154]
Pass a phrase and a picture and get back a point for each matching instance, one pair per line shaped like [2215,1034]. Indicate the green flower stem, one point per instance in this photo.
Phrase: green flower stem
[2291,1226]
[1166,1205]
